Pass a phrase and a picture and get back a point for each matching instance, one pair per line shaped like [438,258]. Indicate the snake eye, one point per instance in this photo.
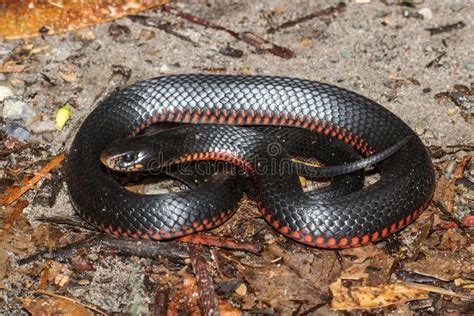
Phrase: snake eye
[128,158]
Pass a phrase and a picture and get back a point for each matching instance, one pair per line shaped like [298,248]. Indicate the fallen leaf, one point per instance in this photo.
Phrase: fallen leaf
[443,267]
[22,19]
[368,297]
[58,305]
[4,264]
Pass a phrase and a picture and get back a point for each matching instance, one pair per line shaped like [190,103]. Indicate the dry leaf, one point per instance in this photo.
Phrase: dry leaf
[21,19]
[367,297]
[54,306]
[4,265]
[445,268]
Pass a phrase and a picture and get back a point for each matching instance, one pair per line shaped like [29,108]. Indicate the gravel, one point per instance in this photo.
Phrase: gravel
[5,92]
[40,127]
[17,109]
[16,131]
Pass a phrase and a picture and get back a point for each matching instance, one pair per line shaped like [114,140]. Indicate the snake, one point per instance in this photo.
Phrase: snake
[221,106]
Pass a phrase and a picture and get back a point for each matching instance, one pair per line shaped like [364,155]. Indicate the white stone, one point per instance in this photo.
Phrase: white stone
[426,13]
[5,92]
[16,109]
[40,127]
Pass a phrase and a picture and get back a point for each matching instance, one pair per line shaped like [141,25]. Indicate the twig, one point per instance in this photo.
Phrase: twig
[164,26]
[446,28]
[161,303]
[434,289]
[220,242]
[436,60]
[247,37]
[74,222]
[208,300]
[341,6]
[443,210]
[172,250]
[126,247]
[425,232]
[27,183]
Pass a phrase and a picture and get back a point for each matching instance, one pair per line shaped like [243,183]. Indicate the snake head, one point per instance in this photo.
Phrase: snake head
[127,155]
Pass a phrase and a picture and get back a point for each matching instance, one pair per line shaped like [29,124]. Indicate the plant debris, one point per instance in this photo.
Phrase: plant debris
[35,18]
[13,193]
[247,37]
[446,28]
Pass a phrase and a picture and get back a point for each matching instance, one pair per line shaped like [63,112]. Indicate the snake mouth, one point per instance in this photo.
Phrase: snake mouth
[105,159]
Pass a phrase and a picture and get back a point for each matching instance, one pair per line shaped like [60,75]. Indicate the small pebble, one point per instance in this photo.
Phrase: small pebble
[95,45]
[450,169]
[469,65]
[419,130]
[389,42]
[146,35]
[346,54]
[452,111]
[84,35]
[48,138]
[426,13]
[390,20]
[41,127]
[426,90]
[429,134]
[93,256]
[61,53]
[241,290]
[245,70]
[390,83]
[16,109]
[5,92]
[16,131]
[165,69]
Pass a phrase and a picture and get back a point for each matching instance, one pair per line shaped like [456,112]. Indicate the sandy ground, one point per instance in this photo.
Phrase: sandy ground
[372,49]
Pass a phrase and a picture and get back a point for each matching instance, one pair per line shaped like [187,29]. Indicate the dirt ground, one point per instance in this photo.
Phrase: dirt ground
[380,49]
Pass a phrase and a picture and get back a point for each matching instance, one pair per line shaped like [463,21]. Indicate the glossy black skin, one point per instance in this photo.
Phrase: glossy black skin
[406,184]
[140,153]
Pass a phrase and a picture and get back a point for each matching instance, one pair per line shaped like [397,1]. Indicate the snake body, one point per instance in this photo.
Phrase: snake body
[349,220]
